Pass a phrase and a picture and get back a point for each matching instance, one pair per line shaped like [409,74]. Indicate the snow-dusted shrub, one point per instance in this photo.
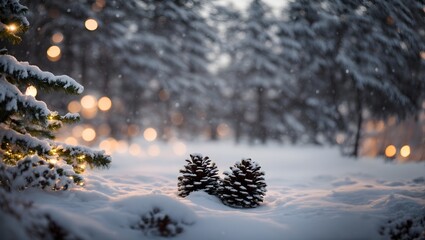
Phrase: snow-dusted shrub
[198,174]
[404,229]
[32,171]
[244,186]
[22,220]
[158,223]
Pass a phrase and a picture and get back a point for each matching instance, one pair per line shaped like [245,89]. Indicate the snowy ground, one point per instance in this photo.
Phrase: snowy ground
[313,193]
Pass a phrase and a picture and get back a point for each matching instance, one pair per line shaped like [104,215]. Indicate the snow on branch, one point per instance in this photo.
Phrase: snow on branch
[24,73]
[77,154]
[12,99]
[24,141]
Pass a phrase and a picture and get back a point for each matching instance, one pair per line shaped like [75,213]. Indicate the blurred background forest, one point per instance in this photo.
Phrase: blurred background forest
[326,72]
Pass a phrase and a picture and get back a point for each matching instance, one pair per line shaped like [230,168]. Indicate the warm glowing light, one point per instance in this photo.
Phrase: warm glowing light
[53,161]
[150,134]
[74,106]
[104,103]
[53,53]
[154,151]
[179,148]
[135,149]
[71,141]
[122,146]
[89,104]
[12,28]
[77,131]
[105,144]
[223,130]
[91,24]
[390,151]
[89,113]
[57,37]
[88,101]
[31,91]
[88,134]
[405,151]
[109,145]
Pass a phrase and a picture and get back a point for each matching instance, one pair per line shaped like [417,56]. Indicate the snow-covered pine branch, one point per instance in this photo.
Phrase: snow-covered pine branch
[22,73]
[27,157]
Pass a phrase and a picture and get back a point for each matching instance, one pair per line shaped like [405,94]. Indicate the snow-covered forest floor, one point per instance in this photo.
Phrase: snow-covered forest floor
[313,193]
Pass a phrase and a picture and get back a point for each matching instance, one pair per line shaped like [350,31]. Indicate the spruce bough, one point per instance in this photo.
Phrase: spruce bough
[29,157]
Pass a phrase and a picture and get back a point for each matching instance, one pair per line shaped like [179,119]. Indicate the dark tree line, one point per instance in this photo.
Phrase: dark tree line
[315,70]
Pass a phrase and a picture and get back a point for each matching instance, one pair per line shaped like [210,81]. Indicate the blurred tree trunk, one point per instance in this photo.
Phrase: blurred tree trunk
[238,117]
[260,128]
[359,108]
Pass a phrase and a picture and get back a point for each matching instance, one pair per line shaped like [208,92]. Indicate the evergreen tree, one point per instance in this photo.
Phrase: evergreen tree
[309,97]
[28,155]
[198,174]
[254,64]
[357,58]
[244,186]
[185,40]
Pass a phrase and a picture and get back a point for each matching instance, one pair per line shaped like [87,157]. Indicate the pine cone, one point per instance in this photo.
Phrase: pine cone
[198,174]
[244,186]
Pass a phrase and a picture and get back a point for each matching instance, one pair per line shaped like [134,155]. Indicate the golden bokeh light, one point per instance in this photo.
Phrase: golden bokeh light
[71,141]
[77,131]
[405,151]
[88,134]
[91,24]
[223,130]
[179,148]
[122,146]
[108,145]
[89,113]
[390,151]
[88,102]
[57,37]
[74,106]
[150,134]
[104,103]
[54,53]
[154,150]
[135,150]
[31,91]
